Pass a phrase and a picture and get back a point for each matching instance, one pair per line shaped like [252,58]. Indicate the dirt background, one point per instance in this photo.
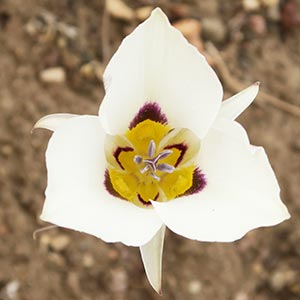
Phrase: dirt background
[36,35]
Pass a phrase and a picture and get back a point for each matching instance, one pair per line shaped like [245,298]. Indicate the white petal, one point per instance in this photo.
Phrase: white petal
[242,193]
[53,122]
[235,105]
[155,63]
[232,128]
[76,197]
[152,259]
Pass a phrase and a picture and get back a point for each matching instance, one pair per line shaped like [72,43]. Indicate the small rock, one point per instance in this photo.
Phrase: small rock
[213,30]
[208,8]
[60,242]
[195,287]
[57,259]
[88,260]
[45,241]
[251,5]
[290,15]
[12,289]
[258,268]
[273,13]
[143,13]
[113,254]
[73,282]
[87,71]
[93,69]
[7,150]
[53,75]
[191,29]
[257,25]
[119,281]
[241,296]
[120,10]
[282,278]
[3,229]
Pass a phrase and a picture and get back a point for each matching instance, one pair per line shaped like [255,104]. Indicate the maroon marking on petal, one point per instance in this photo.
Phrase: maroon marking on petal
[109,187]
[150,111]
[117,153]
[147,203]
[199,183]
[156,197]
[182,148]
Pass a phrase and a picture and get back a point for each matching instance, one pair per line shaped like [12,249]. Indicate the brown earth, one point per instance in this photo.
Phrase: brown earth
[62,264]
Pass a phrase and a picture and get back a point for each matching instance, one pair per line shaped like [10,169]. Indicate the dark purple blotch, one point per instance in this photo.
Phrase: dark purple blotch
[109,187]
[147,203]
[199,183]
[149,111]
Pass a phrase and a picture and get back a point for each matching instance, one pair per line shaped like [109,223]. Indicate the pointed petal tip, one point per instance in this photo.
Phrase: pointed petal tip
[257,83]
[52,122]
[151,254]
[158,14]
[160,293]
[157,11]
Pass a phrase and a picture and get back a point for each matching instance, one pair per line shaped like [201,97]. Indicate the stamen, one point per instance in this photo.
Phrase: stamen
[145,169]
[163,155]
[151,149]
[165,168]
[155,176]
[138,159]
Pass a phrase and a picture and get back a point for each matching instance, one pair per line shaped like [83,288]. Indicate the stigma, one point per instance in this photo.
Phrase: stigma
[151,163]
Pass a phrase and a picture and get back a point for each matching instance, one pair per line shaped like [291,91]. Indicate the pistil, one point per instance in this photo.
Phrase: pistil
[151,163]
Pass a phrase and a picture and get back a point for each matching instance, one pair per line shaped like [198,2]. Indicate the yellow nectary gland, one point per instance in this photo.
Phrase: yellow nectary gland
[156,164]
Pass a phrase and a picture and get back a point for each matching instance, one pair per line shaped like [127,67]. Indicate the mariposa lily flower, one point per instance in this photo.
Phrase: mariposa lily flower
[164,151]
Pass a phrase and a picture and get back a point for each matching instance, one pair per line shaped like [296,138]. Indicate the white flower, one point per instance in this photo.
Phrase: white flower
[164,151]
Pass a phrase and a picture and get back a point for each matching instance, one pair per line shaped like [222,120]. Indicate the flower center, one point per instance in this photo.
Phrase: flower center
[152,161]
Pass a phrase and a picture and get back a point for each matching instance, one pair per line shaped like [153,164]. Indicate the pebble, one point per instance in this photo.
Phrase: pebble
[88,260]
[250,5]
[273,13]
[3,230]
[59,242]
[208,8]
[282,278]
[290,15]
[257,24]
[57,259]
[143,13]
[53,75]
[92,69]
[73,282]
[113,254]
[120,10]
[119,281]
[12,289]
[195,287]
[7,150]
[213,30]
[241,296]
